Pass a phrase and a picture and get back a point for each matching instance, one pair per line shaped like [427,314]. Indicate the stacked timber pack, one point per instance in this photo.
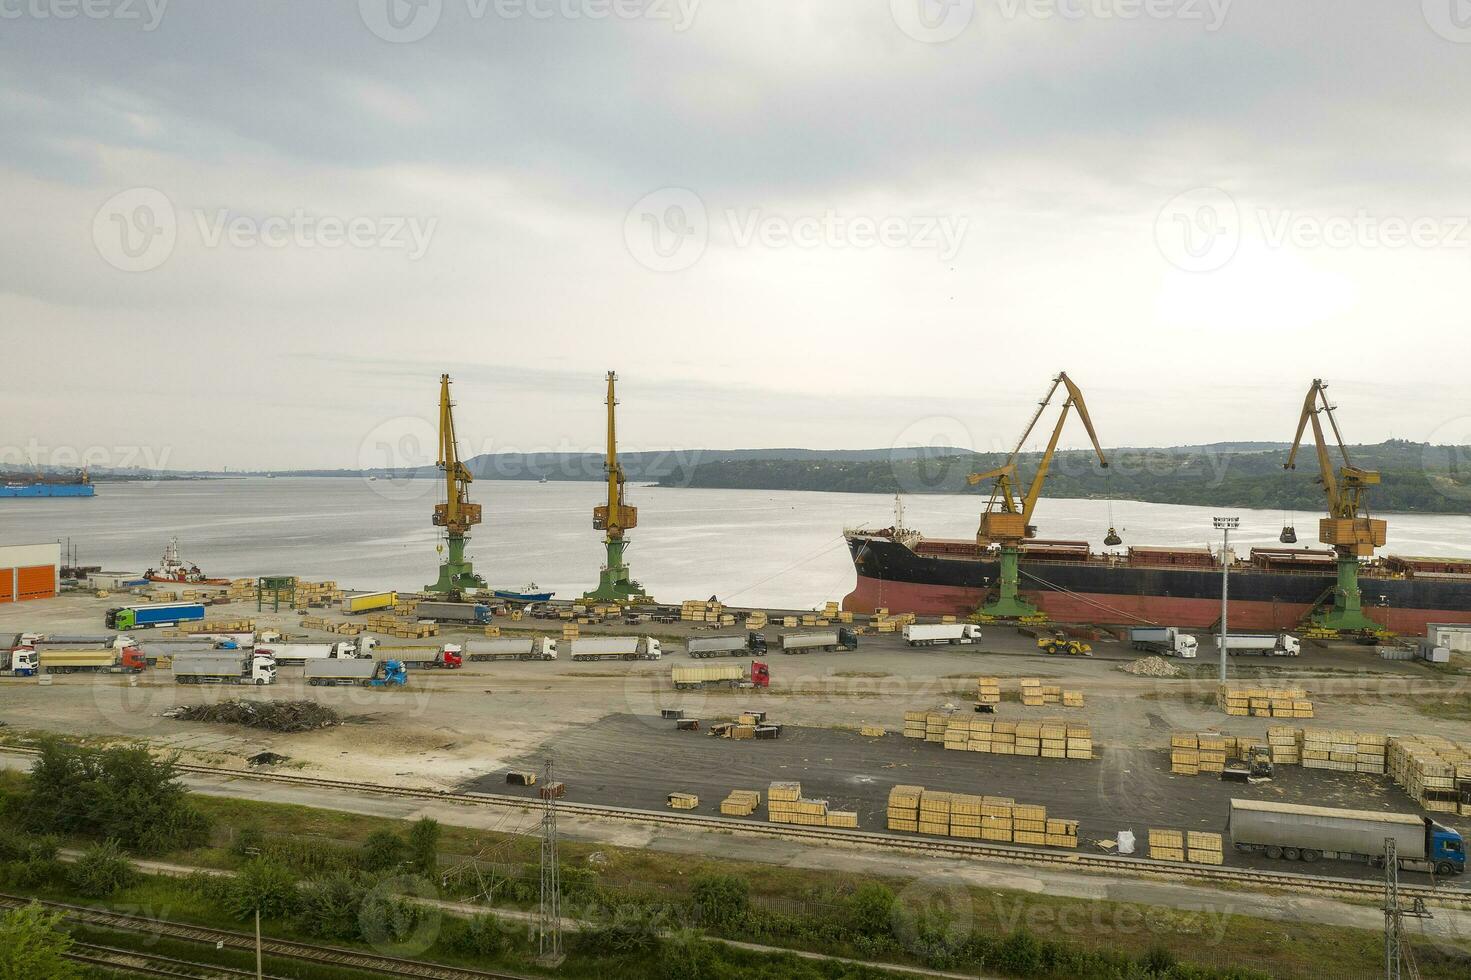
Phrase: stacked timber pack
[683,801]
[332,626]
[1284,745]
[1194,846]
[1193,753]
[903,812]
[1032,692]
[1343,751]
[705,611]
[914,724]
[969,817]
[1434,771]
[1264,702]
[1051,738]
[988,690]
[935,723]
[786,804]
[1166,845]
[740,803]
[402,628]
[240,589]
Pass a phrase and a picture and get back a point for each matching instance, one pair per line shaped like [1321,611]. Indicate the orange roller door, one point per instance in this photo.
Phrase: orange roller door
[7,581]
[36,582]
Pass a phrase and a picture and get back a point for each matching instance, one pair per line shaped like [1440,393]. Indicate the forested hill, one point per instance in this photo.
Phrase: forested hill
[1416,477]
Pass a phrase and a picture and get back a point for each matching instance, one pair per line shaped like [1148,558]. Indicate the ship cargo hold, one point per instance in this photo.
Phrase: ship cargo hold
[1272,589]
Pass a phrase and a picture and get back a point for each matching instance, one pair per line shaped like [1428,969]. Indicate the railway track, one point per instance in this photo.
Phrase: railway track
[390,966]
[153,965]
[1016,854]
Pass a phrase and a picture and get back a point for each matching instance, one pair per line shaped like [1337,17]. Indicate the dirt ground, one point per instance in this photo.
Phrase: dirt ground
[600,721]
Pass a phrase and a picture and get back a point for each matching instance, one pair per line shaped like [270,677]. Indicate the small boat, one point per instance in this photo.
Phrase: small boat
[172,568]
[543,479]
[528,593]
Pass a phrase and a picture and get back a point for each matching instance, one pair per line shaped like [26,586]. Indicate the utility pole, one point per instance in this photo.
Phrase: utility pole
[1399,961]
[549,940]
[258,974]
[1225,525]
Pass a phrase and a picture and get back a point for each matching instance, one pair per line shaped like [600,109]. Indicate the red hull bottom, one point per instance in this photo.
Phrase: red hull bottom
[1124,610]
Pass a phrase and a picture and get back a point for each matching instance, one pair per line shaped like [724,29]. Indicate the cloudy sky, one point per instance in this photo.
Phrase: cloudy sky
[254,234]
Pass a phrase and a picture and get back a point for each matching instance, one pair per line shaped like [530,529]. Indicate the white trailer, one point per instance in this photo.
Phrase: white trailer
[616,648]
[511,648]
[729,645]
[300,653]
[1310,833]
[843,638]
[224,667]
[1261,644]
[933,634]
[1168,640]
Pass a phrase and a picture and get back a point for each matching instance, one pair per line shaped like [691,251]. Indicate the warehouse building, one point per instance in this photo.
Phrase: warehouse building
[29,571]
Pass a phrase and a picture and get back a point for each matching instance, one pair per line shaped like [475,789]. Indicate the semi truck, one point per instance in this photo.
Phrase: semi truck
[446,656]
[1168,640]
[454,612]
[20,662]
[154,614]
[730,645]
[224,667]
[933,634]
[616,648]
[691,676]
[1261,644]
[106,660]
[300,653]
[1312,833]
[366,673]
[838,639]
[511,648]
[354,603]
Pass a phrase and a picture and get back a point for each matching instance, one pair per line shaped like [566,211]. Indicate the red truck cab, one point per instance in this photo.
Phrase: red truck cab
[760,674]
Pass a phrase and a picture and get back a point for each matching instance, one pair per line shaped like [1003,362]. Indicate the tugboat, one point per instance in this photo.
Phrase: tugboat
[528,593]
[172,568]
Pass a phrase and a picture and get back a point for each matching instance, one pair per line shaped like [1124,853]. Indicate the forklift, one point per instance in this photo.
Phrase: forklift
[1255,765]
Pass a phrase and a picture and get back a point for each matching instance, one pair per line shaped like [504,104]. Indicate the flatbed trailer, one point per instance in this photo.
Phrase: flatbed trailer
[616,648]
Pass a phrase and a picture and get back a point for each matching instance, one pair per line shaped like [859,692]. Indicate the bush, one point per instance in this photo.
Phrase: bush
[871,909]
[330,906]
[480,936]
[124,794]
[721,900]
[33,945]
[685,956]
[623,929]
[265,885]
[423,846]
[102,870]
[382,851]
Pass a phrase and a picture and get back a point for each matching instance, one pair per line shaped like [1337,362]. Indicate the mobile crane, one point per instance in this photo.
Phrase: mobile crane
[614,518]
[457,514]
[1007,520]
[1347,529]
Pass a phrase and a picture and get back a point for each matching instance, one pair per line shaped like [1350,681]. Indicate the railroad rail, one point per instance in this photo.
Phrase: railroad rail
[353,959]
[154,965]
[1011,853]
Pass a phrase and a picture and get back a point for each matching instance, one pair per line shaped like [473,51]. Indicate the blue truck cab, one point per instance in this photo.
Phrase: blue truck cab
[393,673]
[1447,850]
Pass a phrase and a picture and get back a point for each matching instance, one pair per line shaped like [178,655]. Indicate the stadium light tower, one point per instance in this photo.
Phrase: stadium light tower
[1225,525]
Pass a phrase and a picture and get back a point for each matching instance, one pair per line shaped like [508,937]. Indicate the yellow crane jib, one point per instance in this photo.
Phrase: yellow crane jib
[615,516]
[457,513]
[1347,528]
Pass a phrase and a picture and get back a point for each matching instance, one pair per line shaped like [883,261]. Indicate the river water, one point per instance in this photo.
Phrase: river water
[750,547]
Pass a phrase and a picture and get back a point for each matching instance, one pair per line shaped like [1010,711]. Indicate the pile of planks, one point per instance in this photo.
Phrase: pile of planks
[393,626]
[988,690]
[705,611]
[683,801]
[903,811]
[740,803]
[1343,751]
[1284,743]
[971,817]
[1194,846]
[1050,738]
[1264,702]
[1433,771]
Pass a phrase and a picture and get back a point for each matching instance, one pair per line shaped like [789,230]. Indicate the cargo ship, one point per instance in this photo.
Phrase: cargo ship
[173,568]
[1271,588]
[77,484]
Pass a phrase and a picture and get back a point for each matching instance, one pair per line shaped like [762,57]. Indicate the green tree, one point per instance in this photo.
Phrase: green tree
[423,846]
[33,946]
[101,870]
[264,885]
[382,851]
[721,900]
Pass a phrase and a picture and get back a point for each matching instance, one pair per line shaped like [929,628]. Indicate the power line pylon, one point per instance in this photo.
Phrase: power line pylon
[549,936]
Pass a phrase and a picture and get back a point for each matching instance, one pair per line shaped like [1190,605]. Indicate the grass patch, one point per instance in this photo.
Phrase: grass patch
[1454,709]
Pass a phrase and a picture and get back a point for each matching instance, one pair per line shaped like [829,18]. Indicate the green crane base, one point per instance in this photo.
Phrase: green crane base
[1346,613]
[1008,603]
[456,575]
[615,584]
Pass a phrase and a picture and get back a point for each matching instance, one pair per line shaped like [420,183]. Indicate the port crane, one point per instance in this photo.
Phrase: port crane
[614,518]
[457,514]
[1348,529]
[1007,519]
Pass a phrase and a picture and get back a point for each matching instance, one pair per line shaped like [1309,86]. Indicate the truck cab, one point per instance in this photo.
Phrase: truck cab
[1447,850]
[21,662]
[847,638]
[391,673]
[131,658]
[262,669]
[756,643]
[760,674]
